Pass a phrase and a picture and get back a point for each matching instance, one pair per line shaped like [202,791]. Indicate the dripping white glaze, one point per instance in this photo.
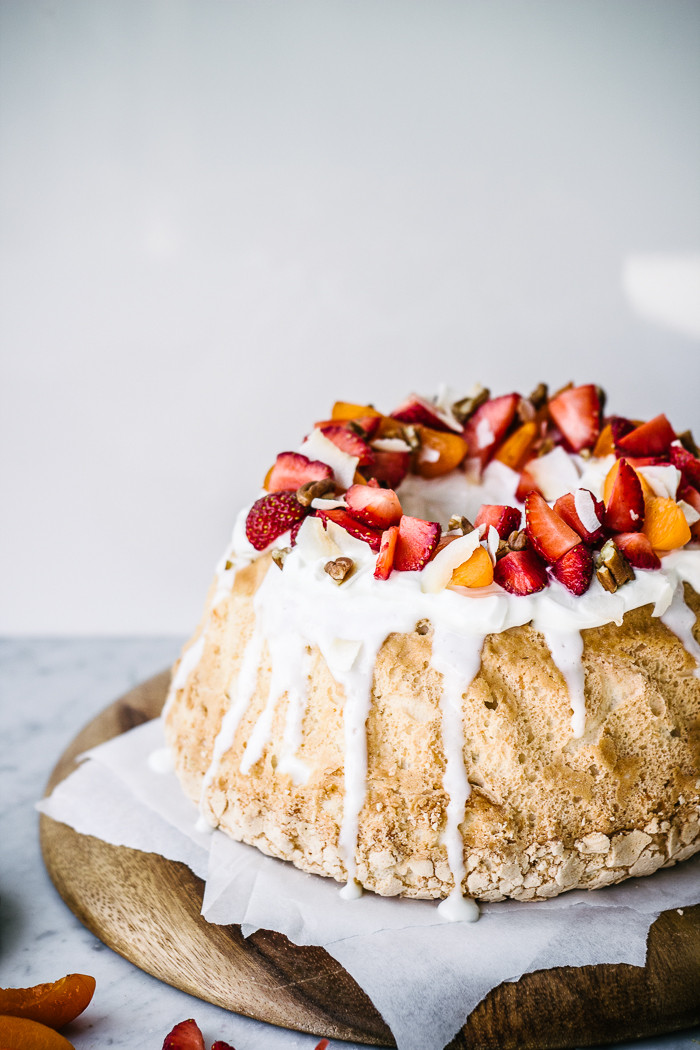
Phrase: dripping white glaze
[680,620]
[566,649]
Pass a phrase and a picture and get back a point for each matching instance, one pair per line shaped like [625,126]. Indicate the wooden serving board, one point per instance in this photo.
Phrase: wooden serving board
[148,909]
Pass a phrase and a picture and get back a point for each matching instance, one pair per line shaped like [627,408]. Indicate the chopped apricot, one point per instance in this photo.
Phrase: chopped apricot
[440,452]
[515,450]
[344,410]
[53,1004]
[21,1033]
[647,490]
[477,571]
[266,482]
[664,524]
[605,445]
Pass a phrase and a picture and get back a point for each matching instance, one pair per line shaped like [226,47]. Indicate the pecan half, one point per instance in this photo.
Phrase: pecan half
[339,569]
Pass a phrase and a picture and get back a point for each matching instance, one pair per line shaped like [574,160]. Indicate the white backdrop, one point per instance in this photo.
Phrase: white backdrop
[218,216]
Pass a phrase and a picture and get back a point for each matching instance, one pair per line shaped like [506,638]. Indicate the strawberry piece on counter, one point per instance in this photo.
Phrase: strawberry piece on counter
[592,509]
[550,536]
[575,569]
[504,519]
[521,572]
[387,550]
[638,550]
[271,516]
[350,442]
[184,1036]
[373,505]
[355,528]
[489,425]
[649,439]
[576,412]
[389,467]
[415,543]
[292,470]
[624,509]
[688,465]
[416,409]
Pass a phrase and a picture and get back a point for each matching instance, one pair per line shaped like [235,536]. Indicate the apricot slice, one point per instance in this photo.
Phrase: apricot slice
[664,524]
[440,452]
[515,450]
[605,444]
[345,410]
[53,1004]
[477,571]
[21,1033]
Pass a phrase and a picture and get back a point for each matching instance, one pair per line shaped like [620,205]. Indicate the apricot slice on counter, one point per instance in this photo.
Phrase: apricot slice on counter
[477,571]
[664,524]
[440,452]
[515,450]
[21,1033]
[53,1004]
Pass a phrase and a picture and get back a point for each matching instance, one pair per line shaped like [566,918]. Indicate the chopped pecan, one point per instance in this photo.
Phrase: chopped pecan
[458,523]
[465,408]
[423,627]
[688,442]
[339,569]
[312,490]
[538,396]
[612,567]
[279,556]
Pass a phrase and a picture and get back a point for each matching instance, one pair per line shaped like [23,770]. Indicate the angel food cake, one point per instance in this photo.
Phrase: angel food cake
[452,652]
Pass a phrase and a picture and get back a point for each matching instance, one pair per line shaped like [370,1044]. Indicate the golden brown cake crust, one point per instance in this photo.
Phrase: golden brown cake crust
[547,812]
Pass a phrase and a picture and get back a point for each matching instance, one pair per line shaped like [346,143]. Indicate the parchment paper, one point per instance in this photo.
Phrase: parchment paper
[423,974]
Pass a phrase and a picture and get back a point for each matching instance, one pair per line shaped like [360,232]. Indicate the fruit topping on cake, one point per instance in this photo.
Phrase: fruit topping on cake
[562,522]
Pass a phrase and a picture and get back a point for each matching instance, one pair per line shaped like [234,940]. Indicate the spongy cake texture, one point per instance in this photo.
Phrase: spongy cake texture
[547,812]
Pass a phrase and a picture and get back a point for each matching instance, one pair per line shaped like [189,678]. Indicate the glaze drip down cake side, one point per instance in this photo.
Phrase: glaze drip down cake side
[452,652]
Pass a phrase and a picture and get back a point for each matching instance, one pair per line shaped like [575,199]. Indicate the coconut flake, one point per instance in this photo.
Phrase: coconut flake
[318,446]
[585,508]
[663,478]
[554,474]
[690,513]
[438,572]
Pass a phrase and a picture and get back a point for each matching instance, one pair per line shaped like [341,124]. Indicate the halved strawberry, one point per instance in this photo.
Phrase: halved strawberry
[355,528]
[184,1036]
[387,550]
[521,572]
[489,425]
[619,427]
[390,467]
[292,470]
[638,550]
[575,569]
[576,412]
[592,510]
[504,519]
[272,515]
[548,533]
[650,439]
[373,505]
[624,510]
[688,465]
[415,543]
[416,409]
[349,442]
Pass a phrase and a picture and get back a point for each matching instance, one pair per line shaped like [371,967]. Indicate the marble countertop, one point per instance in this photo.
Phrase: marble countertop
[49,690]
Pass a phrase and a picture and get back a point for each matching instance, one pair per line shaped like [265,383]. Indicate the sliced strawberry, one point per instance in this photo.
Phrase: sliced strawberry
[373,505]
[575,569]
[692,496]
[521,572]
[184,1036]
[349,442]
[638,550]
[504,519]
[387,550]
[549,535]
[619,427]
[390,467]
[489,425]
[221,1045]
[591,508]
[576,412]
[272,515]
[416,541]
[688,465]
[355,528]
[526,485]
[650,439]
[416,409]
[624,511]
[295,531]
[292,470]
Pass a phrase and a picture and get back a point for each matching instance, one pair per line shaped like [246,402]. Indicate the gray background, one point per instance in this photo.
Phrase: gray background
[218,217]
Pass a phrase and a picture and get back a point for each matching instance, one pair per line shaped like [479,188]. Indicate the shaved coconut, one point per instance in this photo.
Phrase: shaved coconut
[438,572]
[554,474]
[663,479]
[690,513]
[390,445]
[315,543]
[492,541]
[318,446]
[485,436]
[428,455]
[327,504]
[585,509]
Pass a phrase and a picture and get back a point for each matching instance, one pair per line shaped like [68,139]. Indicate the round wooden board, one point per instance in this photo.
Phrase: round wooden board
[148,909]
